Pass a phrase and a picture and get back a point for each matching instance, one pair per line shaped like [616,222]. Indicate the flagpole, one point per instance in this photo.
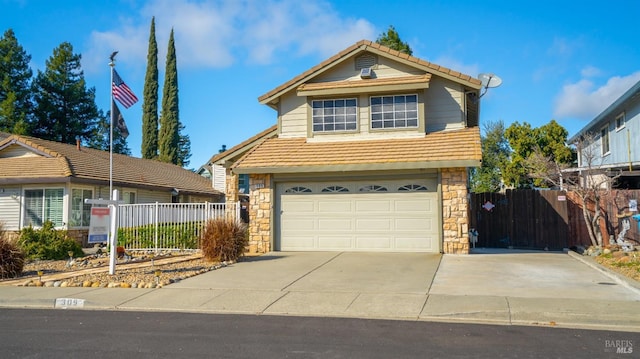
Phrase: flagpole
[112,65]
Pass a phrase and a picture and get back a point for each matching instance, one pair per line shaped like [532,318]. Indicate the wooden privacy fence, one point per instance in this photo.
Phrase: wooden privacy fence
[521,219]
[539,219]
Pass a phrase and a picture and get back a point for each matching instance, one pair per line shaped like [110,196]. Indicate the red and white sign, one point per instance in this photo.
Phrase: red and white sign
[99,224]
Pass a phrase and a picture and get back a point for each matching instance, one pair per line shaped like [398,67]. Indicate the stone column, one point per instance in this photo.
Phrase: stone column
[230,192]
[260,210]
[455,208]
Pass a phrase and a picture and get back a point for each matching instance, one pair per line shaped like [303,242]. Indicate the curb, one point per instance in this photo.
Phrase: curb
[616,277]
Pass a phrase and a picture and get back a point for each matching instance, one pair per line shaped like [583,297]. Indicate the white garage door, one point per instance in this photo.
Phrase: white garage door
[395,215]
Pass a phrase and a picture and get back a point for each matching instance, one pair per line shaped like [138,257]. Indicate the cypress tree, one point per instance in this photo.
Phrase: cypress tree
[169,137]
[15,83]
[150,100]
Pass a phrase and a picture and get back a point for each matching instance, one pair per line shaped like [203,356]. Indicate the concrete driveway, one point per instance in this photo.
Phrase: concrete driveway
[493,286]
[507,287]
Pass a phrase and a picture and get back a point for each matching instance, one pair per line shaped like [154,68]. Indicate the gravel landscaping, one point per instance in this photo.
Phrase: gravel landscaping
[140,271]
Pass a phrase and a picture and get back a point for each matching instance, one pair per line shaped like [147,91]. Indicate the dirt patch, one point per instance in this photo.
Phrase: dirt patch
[625,264]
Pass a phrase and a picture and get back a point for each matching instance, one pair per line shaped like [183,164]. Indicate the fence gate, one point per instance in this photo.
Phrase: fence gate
[525,219]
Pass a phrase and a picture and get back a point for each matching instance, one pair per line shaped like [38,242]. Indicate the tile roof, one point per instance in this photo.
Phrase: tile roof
[366,45]
[62,160]
[439,149]
[269,132]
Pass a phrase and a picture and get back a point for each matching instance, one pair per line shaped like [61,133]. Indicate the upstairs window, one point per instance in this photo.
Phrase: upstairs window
[334,115]
[604,140]
[620,121]
[399,111]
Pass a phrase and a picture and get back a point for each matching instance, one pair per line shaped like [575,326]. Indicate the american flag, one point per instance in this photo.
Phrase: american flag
[122,92]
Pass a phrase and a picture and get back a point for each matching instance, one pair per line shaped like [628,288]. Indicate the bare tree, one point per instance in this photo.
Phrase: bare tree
[591,182]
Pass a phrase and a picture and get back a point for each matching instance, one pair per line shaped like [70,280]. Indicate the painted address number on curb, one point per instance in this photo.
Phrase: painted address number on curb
[65,303]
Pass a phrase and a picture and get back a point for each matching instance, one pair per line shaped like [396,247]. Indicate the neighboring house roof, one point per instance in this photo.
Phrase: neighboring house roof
[56,162]
[459,148]
[613,109]
[241,148]
[362,46]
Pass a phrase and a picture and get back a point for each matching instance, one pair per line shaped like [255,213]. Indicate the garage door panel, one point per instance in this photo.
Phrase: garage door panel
[298,242]
[419,204]
[298,205]
[332,206]
[373,224]
[410,243]
[299,224]
[373,242]
[412,224]
[335,224]
[333,242]
[369,205]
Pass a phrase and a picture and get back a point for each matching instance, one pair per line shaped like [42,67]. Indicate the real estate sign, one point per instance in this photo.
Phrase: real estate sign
[99,224]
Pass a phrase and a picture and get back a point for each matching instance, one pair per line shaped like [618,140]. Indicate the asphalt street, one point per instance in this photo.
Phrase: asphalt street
[51,333]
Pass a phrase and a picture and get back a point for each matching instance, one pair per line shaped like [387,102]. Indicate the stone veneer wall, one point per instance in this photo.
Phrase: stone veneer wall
[230,190]
[455,210]
[260,209]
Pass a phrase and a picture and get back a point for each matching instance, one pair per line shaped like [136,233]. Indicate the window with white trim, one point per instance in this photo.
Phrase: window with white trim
[412,188]
[373,188]
[334,189]
[80,211]
[129,197]
[41,205]
[399,111]
[334,115]
[620,121]
[604,140]
[298,189]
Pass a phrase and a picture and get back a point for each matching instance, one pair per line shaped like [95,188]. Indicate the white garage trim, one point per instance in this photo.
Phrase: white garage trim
[390,215]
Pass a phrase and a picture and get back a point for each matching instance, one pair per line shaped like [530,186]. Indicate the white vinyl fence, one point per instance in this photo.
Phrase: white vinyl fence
[167,226]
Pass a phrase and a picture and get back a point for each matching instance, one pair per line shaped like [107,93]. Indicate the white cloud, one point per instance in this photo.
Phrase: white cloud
[585,101]
[590,71]
[217,33]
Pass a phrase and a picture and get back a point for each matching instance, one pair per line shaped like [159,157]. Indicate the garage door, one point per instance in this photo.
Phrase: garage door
[395,215]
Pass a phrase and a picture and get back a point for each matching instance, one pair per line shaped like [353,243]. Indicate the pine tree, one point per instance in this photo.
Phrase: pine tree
[100,138]
[392,40]
[15,83]
[150,101]
[65,110]
[169,136]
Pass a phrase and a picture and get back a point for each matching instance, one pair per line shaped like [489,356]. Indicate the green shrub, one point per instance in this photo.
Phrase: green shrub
[170,235]
[223,239]
[11,257]
[48,243]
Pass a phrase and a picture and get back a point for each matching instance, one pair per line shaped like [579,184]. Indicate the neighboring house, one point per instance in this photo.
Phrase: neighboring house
[371,153]
[614,146]
[43,180]
[221,161]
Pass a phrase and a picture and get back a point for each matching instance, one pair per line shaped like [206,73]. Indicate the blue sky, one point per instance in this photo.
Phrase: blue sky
[561,60]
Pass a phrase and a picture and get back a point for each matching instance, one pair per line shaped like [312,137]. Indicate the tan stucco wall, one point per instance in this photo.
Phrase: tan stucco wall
[455,211]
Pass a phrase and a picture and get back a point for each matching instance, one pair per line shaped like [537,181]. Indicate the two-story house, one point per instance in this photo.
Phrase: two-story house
[370,153]
[611,145]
